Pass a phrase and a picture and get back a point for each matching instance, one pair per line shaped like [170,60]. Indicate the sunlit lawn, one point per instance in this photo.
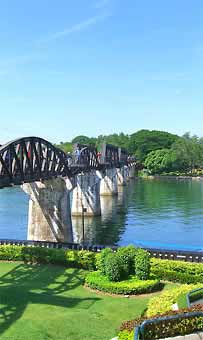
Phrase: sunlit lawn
[49,302]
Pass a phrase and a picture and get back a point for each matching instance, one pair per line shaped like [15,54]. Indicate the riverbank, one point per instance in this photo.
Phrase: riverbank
[195,178]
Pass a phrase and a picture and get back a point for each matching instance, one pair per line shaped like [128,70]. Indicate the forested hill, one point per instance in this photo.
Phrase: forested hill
[159,151]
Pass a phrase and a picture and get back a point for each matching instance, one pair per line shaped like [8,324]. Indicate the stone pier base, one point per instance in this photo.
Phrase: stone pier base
[109,185]
[121,176]
[87,195]
[131,171]
[49,211]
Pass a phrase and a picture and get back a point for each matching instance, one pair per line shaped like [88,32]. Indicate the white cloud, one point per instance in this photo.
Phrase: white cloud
[79,27]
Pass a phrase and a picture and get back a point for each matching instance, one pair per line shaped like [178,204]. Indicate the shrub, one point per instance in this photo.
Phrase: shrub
[164,329]
[71,258]
[127,256]
[101,258]
[11,252]
[37,254]
[114,269]
[86,259]
[125,335]
[132,285]
[163,303]
[177,271]
[142,264]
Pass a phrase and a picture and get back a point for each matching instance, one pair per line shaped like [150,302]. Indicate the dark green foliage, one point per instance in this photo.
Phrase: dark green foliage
[86,259]
[127,256]
[142,264]
[66,147]
[171,328]
[119,265]
[184,155]
[196,295]
[43,255]
[120,140]
[101,258]
[115,269]
[84,140]
[131,286]
[162,152]
[177,271]
[70,258]
[145,141]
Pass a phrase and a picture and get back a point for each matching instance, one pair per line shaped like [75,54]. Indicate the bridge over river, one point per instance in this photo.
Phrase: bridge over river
[48,175]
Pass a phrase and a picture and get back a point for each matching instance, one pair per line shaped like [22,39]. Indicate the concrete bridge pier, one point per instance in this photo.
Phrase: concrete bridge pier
[131,171]
[121,176]
[49,211]
[86,195]
[109,185]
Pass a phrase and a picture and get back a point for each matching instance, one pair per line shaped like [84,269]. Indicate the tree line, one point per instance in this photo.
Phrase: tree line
[159,151]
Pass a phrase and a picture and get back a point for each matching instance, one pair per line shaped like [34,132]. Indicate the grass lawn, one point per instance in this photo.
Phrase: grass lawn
[43,302]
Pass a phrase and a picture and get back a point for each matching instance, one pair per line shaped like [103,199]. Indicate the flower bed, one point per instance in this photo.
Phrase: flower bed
[164,328]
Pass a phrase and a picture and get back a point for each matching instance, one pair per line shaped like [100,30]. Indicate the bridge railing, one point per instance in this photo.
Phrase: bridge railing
[187,256]
[140,331]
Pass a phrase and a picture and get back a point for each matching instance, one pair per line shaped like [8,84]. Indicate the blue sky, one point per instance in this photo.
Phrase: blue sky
[71,67]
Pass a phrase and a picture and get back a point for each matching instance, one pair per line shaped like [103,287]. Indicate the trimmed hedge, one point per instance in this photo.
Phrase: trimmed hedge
[115,269]
[177,271]
[71,258]
[142,264]
[127,256]
[163,303]
[171,327]
[97,280]
[101,259]
[11,253]
[194,296]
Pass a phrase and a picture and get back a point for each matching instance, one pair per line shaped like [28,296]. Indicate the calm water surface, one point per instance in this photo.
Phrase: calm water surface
[153,213]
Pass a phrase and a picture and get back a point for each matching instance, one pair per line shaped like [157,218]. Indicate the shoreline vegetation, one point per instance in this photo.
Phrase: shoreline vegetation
[175,177]
[159,152]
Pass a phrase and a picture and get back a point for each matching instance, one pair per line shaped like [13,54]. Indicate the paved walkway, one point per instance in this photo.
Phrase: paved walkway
[198,336]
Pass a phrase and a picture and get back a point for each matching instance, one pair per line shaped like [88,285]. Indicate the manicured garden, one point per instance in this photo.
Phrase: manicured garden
[48,302]
[70,295]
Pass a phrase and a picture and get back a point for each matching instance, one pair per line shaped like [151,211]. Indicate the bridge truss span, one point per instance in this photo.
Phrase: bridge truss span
[30,159]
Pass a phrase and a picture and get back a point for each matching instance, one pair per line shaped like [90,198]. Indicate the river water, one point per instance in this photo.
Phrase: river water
[152,213]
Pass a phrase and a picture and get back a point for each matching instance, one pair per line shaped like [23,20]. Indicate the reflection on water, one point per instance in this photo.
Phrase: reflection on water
[154,213]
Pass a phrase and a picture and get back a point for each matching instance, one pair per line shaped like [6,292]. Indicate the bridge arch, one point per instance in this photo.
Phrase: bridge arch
[30,159]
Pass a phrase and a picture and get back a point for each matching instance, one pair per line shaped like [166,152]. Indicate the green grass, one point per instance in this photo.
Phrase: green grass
[43,302]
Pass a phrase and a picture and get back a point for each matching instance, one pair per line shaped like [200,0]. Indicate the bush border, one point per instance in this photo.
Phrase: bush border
[132,286]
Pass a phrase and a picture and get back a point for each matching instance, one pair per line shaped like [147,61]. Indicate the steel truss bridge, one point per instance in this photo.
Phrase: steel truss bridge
[33,159]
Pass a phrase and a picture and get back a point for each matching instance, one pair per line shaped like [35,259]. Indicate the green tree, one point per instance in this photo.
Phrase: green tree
[84,140]
[144,141]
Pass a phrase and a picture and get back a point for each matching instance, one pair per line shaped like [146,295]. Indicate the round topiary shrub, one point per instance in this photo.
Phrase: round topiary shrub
[127,257]
[132,285]
[142,264]
[114,268]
